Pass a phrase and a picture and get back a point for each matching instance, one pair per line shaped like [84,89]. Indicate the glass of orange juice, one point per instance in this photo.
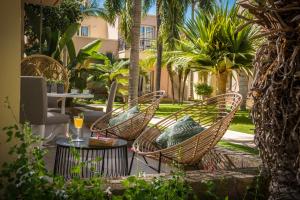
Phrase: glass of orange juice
[78,123]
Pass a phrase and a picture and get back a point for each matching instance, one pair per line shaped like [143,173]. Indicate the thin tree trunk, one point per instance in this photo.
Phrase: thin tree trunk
[243,89]
[159,46]
[179,84]
[186,73]
[222,82]
[111,96]
[191,95]
[169,69]
[134,53]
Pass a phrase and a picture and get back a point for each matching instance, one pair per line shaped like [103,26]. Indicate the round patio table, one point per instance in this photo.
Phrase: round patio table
[88,161]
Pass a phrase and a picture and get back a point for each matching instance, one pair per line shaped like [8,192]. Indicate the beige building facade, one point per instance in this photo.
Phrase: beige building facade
[93,28]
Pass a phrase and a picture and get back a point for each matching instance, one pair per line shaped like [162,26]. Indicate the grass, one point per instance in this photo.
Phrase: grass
[242,122]
[237,147]
[165,109]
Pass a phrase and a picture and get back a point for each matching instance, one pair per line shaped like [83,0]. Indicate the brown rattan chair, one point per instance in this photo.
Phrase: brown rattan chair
[46,67]
[131,128]
[214,114]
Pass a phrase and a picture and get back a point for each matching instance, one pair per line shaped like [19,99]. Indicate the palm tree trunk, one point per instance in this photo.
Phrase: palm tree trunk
[191,95]
[243,89]
[222,82]
[179,84]
[159,46]
[186,73]
[275,91]
[134,53]
[170,73]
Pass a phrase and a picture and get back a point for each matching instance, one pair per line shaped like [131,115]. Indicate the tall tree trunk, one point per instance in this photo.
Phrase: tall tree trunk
[191,95]
[186,73]
[179,84]
[170,73]
[134,53]
[159,46]
[276,93]
[243,89]
[222,82]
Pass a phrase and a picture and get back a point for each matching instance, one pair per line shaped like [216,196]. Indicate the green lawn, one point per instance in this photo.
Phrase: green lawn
[166,109]
[242,122]
[237,147]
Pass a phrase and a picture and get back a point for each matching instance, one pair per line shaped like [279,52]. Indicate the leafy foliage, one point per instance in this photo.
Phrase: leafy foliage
[159,188]
[203,89]
[109,72]
[216,41]
[56,19]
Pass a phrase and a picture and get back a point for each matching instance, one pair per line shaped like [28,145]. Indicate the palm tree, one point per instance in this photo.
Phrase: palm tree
[212,43]
[129,12]
[110,71]
[276,94]
[170,16]
[134,52]
[159,45]
[204,5]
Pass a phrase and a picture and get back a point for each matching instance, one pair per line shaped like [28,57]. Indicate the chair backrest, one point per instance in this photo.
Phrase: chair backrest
[33,103]
[45,66]
[214,114]
[133,126]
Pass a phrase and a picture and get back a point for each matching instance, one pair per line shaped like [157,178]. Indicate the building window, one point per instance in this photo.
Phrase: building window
[83,31]
[147,32]
[147,36]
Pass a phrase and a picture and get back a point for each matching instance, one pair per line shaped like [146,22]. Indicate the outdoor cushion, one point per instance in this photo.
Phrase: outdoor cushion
[183,129]
[124,116]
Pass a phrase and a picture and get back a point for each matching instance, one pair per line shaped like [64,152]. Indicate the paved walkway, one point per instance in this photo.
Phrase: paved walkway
[230,136]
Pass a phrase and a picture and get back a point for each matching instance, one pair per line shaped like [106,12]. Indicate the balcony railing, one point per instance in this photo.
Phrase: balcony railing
[145,43]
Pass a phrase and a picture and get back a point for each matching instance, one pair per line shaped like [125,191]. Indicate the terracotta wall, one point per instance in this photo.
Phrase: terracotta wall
[149,20]
[97,26]
[106,45]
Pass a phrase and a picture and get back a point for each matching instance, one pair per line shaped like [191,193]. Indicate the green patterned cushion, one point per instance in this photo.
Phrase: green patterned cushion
[182,130]
[124,116]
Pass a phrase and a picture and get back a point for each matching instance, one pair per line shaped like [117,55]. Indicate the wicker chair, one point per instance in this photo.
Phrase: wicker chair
[45,66]
[131,128]
[215,114]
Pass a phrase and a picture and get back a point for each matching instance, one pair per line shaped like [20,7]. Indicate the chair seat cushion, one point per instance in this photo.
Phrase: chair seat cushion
[57,110]
[124,116]
[57,118]
[92,116]
[180,131]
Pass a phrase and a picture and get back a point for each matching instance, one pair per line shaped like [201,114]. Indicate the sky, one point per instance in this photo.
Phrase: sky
[188,14]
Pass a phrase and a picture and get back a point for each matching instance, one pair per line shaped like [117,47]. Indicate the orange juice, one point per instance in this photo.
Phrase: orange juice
[78,121]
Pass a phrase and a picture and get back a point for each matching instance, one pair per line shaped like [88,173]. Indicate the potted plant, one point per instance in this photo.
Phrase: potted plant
[60,86]
[51,86]
[49,83]
[203,90]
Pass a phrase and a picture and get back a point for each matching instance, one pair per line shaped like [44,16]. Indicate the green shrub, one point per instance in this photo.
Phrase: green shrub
[174,188]
[203,89]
